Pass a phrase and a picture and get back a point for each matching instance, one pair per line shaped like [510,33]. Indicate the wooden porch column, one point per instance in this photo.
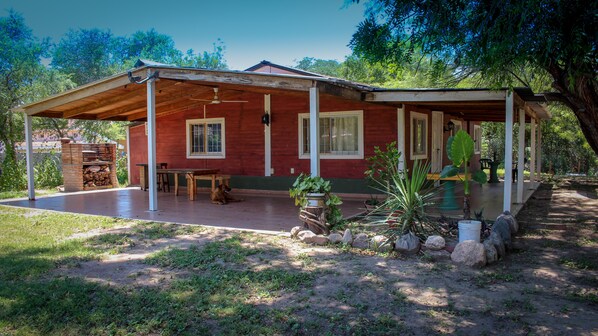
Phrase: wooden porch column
[128,135]
[520,156]
[508,151]
[29,157]
[314,131]
[267,138]
[532,159]
[151,144]
[401,136]
[539,154]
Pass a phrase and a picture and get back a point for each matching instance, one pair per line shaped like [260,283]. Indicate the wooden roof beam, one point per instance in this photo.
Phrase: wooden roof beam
[407,96]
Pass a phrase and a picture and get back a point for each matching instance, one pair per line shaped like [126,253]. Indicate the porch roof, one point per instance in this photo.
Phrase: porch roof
[178,88]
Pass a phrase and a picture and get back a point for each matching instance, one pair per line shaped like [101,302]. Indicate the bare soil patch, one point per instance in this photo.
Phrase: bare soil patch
[547,286]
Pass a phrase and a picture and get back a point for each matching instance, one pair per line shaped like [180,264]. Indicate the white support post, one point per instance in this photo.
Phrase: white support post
[520,156]
[532,159]
[151,144]
[508,151]
[539,154]
[401,136]
[314,131]
[128,155]
[29,157]
[267,138]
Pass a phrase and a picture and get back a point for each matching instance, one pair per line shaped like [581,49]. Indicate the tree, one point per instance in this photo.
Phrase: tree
[494,39]
[320,66]
[20,69]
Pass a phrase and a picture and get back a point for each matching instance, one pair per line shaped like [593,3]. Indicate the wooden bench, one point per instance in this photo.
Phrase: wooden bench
[222,179]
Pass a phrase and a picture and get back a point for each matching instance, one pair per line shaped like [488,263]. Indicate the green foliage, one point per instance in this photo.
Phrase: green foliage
[460,149]
[330,68]
[14,176]
[122,169]
[307,184]
[383,166]
[406,201]
[47,172]
[545,42]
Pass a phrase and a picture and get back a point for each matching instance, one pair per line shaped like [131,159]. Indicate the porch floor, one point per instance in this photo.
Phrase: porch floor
[269,212]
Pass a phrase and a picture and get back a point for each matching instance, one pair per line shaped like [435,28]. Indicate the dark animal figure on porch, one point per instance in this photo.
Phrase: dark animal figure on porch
[222,195]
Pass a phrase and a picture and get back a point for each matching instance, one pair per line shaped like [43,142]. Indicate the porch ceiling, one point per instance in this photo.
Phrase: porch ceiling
[116,98]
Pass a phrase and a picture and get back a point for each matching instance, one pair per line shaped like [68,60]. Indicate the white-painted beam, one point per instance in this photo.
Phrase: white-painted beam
[520,156]
[435,96]
[151,144]
[508,152]
[532,159]
[128,129]
[401,136]
[267,138]
[314,131]
[539,154]
[29,156]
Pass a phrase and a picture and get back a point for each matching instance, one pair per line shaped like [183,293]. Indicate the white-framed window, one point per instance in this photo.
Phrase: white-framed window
[341,135]
[419,135]
[205,138]
[477,139]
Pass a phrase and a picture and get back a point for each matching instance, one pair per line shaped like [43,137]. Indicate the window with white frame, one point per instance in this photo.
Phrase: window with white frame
[205,138]
[419,135]
[477,138]
[341,135]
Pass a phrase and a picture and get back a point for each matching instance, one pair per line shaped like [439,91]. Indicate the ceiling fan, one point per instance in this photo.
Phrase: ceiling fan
[216,100]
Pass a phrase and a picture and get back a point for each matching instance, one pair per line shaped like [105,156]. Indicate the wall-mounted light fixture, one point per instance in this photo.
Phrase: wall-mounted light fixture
[449,127]
[266,119]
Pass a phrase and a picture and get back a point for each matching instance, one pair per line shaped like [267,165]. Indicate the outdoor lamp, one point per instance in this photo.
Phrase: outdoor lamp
[266,119]
[450,126]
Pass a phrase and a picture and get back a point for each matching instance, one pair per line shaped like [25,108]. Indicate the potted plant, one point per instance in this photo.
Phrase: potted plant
[460,149]
[310,190]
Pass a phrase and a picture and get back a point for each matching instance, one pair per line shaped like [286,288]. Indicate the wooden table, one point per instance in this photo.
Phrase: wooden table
[190,174]
[143,174]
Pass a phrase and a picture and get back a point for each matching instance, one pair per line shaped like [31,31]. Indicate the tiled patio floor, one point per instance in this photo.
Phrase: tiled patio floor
[258,211]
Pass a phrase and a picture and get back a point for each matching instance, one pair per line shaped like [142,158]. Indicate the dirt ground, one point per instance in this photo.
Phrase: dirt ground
[547,286]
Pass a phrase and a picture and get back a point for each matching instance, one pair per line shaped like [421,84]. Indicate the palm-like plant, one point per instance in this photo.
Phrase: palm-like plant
[408,195]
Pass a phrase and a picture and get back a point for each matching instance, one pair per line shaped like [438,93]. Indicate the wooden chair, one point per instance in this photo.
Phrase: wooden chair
[163,181]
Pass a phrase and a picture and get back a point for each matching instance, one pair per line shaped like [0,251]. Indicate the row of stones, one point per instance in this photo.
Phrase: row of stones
[468,252]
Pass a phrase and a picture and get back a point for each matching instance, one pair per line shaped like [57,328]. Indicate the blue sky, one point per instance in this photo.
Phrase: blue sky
[279,31]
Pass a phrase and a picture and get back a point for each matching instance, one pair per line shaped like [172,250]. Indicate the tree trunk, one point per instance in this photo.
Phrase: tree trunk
[466,207]
[580,94]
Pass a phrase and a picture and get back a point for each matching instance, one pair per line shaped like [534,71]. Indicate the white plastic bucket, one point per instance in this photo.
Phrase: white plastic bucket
[469,230]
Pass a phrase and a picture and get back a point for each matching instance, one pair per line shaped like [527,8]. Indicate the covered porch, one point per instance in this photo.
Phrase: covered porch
[273,212]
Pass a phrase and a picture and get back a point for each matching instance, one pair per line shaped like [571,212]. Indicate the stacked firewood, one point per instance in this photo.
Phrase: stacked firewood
[96,176]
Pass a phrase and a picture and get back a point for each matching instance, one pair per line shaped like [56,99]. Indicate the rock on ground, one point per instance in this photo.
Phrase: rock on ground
[408,244]
[306,236]
[361,241]
[501,226]
[295,231]
[491,253]
[380,243]
[498,244]
[470,253]
[435,243]
[347,237]
[438,255]
[335,238]
[320,240]
[513,225]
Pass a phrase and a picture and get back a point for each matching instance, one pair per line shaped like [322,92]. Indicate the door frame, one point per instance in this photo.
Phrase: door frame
[437,145]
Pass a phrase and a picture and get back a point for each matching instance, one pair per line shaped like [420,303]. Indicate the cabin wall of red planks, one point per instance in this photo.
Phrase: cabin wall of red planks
[244,136]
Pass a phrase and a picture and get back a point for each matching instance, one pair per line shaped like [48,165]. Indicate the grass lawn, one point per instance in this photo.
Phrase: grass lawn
[123,277]
[23,193]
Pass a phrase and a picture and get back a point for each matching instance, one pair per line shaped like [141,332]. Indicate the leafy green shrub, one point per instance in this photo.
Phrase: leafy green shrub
[122,173]
[383,166]
[307,184]
[47,172]
[13,176]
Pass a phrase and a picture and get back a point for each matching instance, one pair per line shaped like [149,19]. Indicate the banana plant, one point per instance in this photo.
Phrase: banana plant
[459,149]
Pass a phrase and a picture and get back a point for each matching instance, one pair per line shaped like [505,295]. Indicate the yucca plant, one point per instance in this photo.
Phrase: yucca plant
[408,195]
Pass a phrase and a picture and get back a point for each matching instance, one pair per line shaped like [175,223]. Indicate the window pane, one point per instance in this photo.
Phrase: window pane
[419,136]
[197,138]
[325,125]
[214,138]
[338,135]
[305,129]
